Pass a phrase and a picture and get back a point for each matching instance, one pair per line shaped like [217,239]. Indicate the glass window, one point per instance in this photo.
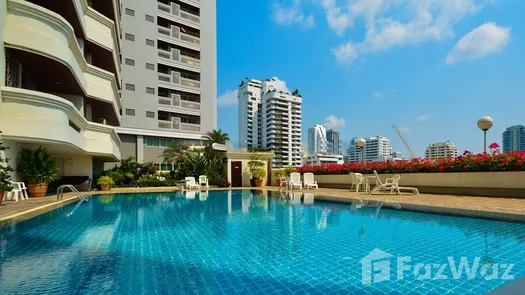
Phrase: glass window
[152,141]
[164,167]
[163,142]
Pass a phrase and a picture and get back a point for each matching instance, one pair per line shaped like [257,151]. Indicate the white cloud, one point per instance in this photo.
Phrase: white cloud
[332,122]
[228,98]
[378,94]
[480,42]
[291,15]
[345,53]
[422,118]
[391,23]
[279,85]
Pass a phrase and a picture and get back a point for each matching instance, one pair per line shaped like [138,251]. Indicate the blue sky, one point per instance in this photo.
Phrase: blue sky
[432,69]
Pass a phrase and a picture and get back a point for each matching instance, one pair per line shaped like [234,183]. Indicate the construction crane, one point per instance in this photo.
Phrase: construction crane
[404,141]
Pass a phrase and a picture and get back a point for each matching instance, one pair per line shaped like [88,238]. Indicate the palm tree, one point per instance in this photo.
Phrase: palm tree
[174,154]
[216,136]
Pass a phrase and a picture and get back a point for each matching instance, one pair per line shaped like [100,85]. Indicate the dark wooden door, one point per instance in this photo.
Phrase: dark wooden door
[236,170]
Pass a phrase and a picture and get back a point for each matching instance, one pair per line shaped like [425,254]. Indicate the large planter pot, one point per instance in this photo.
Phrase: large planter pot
[259,182]
[105,187]
[37,190]
[278,182]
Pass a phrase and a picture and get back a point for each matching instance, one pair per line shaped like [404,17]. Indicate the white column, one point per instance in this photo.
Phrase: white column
[140,148]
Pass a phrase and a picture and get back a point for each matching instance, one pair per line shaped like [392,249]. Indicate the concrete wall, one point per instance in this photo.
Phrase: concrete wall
[503,184]
[141,53]
[246,175]
[128,146]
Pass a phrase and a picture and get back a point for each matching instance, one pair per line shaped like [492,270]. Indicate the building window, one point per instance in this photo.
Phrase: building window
[130,62]
[130,37]
[150,114]
[130,112]
[150,66]
[130,12]
[150,42]
[150,18]
[130,87]
[150,90]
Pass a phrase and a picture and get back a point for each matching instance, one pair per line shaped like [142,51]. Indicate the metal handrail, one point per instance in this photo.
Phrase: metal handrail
[60,192]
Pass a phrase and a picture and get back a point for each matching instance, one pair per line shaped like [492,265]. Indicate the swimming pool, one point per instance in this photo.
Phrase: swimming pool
[239,242]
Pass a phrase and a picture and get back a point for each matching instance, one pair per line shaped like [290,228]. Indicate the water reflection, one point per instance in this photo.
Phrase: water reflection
[111,238]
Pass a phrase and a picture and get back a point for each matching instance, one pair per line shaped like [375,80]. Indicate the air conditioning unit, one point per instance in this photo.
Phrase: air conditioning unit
[102,121]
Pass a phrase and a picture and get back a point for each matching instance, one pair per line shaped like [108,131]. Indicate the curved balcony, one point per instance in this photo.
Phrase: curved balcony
[31,116]
[41,32]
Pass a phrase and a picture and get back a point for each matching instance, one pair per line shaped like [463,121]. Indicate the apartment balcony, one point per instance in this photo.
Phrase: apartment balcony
[33,117]
[175,80]
[175,59]
[175,124]
[195,3]
[173,12]
[174,102]
[174,35]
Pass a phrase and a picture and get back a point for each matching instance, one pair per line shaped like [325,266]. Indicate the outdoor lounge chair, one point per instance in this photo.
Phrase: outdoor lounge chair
[391,184]
[203,181]
[309,181]
[357,181]
[295,180]
[190,183]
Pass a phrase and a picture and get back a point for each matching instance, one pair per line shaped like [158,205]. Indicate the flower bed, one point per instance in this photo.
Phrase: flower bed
[468,162]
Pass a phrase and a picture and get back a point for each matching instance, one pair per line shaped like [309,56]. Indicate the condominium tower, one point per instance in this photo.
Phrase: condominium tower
[441,150]
[169,72]
[60,76]
[377,148]
[335,145]
[317,143]
[514,139]
[270,117]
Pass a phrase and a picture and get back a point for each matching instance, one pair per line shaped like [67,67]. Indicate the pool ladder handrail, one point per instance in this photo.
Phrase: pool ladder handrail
[60,192]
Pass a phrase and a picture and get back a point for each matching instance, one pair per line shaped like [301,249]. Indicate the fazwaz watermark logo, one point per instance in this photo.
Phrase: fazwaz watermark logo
[380,266]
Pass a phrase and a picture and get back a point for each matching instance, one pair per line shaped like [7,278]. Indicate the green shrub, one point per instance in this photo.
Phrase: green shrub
[37,166]
[105,180]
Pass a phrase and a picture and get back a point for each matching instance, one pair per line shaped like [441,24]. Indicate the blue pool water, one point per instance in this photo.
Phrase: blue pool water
[241,242]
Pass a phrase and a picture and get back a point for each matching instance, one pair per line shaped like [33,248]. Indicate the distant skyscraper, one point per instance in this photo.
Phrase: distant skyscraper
[441,150]
[377,148]
[271,118]
[317,140]
[335,146]
[514,138]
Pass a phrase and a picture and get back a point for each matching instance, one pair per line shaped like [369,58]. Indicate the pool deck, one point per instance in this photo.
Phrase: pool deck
[508,209]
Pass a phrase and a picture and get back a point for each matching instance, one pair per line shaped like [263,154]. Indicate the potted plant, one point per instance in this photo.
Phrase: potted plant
[259,174]
[279,174]
[38,168]
[257,162]
[105,182]
[5,170]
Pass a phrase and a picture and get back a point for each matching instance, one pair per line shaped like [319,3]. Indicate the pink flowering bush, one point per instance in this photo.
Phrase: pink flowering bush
[468,162]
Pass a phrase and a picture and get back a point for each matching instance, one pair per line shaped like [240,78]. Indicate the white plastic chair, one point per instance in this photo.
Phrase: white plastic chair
[309,181]
[357,181]
[190,183]
[203,181]
[295,180]
[391,184]
[16,191]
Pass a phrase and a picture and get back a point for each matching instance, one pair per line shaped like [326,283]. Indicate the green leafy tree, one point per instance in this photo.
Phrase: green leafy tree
[216,136]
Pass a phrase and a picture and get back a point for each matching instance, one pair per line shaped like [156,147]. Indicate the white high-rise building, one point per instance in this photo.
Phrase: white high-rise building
[169,75]
[377,148]
[317,143]
[441,150]
[270,117]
